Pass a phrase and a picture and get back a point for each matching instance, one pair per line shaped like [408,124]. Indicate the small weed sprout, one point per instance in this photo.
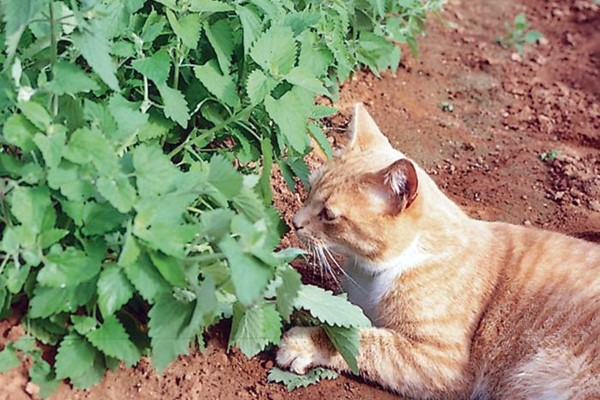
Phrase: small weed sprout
[519,34]
[549,156]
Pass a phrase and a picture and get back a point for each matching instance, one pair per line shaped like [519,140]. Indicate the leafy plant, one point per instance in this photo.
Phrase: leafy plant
[519,34]
[549,156]
[138,140]
[293,381]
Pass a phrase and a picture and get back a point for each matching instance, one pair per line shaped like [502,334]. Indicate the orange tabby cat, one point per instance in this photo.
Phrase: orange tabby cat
[461,308]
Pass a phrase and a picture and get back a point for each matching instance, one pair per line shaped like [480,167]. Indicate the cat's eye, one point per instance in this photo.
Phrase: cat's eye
[327,215]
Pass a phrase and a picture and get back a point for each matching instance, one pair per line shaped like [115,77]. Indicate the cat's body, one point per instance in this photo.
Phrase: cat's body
[461,308]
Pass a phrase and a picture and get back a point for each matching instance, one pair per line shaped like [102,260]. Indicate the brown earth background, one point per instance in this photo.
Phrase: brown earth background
[502,112]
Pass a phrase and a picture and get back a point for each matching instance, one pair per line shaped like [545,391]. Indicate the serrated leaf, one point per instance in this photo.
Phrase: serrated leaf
[224,176]
[293,381]
[156,67]
[17,15]
[44,330]
[330,309]
[67,178]
[131,250]
[118,191]
[114,290]
[68,78]
[51,236]
[51,147]
[169,330]
[41,374]
[128,117]
[220,37]
[209,6]
[20,132]
[216,223]
[75,355]
[176,107]
[50,300]
[16,276]
[249,275]
[254,328]
[31,206]
[84,324]
[275,50]
[170,268]
[95,49]
[91,375]
[222,86]
[302,77]
[300,21]
[8,359]
[36,114]
[346,341]
[153,170]
[251,25]
[291,124]
[258,86]
[321,140]
[98,218]
[67,268]
[187,28]
[314,56]
[287,291]
[112,340]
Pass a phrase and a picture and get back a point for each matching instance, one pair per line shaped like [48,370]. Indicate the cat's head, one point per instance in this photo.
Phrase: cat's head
[365,202]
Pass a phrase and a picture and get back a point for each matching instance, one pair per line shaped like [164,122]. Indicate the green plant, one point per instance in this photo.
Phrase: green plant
[549,156]
[138,139]
[519,34]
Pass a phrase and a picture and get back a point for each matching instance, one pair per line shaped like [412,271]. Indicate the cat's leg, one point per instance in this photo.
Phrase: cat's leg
[419,368]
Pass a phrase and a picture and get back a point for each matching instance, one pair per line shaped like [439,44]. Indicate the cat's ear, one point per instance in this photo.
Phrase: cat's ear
[363,132]
[399,183]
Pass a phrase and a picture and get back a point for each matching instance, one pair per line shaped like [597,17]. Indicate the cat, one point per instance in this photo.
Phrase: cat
[461,308]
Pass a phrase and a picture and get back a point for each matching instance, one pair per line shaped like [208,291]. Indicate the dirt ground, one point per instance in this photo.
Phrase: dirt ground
[509,137]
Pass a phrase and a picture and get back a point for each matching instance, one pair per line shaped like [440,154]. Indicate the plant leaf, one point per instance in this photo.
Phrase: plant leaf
[222,86]
[254,328]
[156,67]
[112,340]
[70,79]
[249,275]
[114,290]
[168,330]
[220,35]
[67,268]
[176,107]
[330,309]
[8,359]
[294,381]
[346,341]
[287,291]
[95,49]
[75,355]
[275,50]
[146,278]
[291,124]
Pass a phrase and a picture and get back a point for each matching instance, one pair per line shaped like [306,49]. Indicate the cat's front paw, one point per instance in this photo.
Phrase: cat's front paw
[299,349]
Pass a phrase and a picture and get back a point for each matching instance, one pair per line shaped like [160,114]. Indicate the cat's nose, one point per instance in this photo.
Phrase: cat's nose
[296,222]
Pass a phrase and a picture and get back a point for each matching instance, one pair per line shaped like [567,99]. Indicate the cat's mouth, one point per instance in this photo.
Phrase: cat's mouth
[324,257]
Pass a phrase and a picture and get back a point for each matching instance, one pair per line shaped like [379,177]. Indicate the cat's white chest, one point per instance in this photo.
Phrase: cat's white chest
[367,284]
[366,290]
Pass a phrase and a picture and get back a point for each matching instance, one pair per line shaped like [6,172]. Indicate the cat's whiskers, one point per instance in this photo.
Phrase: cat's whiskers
[330,253]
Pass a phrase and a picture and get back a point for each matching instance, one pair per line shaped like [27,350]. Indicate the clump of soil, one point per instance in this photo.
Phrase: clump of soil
[478,118]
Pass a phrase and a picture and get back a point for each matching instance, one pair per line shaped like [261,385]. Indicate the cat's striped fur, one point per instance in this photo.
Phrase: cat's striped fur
[461,308]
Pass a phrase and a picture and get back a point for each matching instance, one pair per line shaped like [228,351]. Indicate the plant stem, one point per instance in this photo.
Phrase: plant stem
[53,54]
[191,141]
